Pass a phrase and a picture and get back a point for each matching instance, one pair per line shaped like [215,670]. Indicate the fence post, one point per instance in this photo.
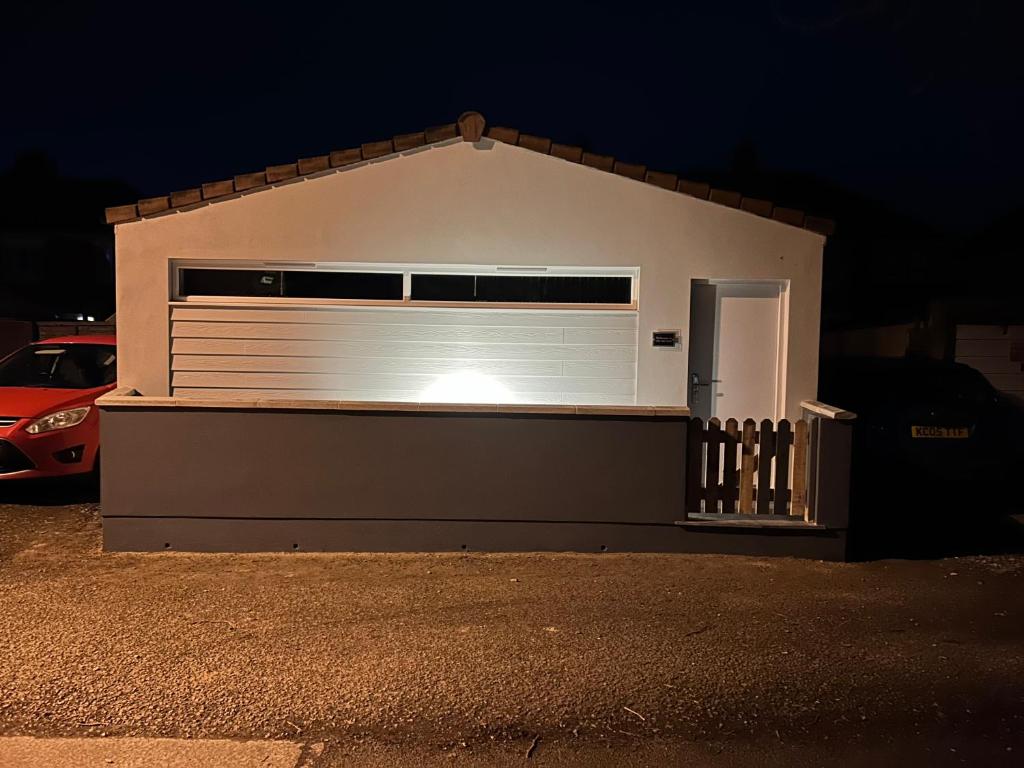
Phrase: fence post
[831,453]
[694,466]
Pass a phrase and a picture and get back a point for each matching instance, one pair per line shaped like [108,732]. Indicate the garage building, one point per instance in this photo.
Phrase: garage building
[430,311]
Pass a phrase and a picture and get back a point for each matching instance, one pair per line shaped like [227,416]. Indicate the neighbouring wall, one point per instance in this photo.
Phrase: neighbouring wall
[485,203]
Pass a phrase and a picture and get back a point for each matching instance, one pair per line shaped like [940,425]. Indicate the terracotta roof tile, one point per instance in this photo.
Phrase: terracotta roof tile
[694,188]
[471,126]
[186,197]
[601,162]
[281,172]
[566,152]
[314,164]
[788,216]
[409,141]
[343,157]
[630,170]
[250,181]
[535,143]
[154,205]
[119,213]
[725,197]
[663,180]
[505,135]
[759,207]
[218,188]
[377,149]
[441,133]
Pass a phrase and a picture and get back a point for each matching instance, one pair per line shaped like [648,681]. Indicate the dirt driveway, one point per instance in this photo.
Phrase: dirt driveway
[451,652]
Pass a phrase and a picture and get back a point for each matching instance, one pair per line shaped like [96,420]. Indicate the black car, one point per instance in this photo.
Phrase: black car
[931,438]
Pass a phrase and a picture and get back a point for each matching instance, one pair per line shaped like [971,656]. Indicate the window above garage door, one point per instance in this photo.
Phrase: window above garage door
[550,287]
[419,333]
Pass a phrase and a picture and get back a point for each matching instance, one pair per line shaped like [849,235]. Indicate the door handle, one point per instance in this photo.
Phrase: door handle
[696,384]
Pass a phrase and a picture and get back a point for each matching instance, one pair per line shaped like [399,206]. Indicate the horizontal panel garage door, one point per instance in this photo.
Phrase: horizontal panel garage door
[404,353]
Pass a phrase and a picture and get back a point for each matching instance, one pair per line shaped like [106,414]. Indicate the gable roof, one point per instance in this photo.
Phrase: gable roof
[471,127]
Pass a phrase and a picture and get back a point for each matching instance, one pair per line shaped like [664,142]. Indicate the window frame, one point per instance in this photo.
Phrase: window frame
[176,267]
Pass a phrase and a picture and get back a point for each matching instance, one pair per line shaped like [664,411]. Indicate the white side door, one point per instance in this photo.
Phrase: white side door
[736,329]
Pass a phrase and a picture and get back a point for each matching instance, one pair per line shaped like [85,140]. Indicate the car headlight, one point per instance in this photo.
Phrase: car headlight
[58,420]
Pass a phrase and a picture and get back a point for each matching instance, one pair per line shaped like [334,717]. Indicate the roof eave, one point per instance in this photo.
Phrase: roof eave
[470,127]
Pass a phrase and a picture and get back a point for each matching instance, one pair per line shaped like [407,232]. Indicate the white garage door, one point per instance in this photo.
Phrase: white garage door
[432,354]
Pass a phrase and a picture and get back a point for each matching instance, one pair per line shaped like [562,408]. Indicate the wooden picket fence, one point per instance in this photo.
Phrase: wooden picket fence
[748,470]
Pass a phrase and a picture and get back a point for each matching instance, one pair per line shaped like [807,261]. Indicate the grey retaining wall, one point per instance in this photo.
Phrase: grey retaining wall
[280,479]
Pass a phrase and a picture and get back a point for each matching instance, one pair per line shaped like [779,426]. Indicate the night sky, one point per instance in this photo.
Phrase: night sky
[914,106]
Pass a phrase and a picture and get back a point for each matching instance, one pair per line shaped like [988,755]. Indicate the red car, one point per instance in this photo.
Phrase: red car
[49,425]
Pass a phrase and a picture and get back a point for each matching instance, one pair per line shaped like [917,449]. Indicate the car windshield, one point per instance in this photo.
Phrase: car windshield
[61,366]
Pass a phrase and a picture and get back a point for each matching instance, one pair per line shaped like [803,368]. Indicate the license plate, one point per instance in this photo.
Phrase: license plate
[955,432]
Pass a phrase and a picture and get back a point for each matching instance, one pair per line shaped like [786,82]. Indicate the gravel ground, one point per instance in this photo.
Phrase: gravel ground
[459,651]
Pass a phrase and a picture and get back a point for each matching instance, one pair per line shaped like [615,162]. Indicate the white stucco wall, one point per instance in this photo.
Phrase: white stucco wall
[464,204]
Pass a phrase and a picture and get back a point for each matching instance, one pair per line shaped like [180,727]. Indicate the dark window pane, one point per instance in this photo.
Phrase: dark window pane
[230,282]
[554,289]
[342,285]
[69,366]
[443,287]
[541,289]
[305,285]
